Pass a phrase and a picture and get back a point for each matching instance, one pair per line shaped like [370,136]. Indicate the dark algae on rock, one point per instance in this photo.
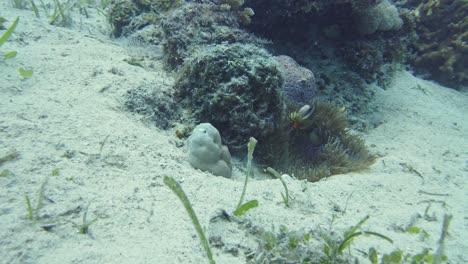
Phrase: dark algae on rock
[237,88]
[442,46]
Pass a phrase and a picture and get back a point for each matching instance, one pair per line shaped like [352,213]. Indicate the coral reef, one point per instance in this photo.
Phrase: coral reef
[324,37]
[363,57]
[166,5]
[368,57]
[196,24]
[127,16]
[120,16]
[232,3]
[236,6]
[271,14]
[226,78]
[381,17]
[237,88]
[442,49]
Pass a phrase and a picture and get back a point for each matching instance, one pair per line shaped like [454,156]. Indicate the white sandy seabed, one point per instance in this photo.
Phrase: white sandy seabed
[58,119]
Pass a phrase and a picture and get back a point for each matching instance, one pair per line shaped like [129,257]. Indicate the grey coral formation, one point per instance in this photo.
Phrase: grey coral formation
[381,17]
[207,153]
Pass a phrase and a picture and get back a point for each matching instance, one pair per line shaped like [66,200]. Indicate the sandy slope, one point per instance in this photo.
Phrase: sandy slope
[59,117]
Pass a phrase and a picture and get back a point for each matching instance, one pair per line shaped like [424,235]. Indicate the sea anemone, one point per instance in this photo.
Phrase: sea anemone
[321,144]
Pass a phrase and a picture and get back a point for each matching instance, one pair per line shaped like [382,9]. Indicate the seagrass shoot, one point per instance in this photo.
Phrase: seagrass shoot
[244,207]
[33,213]
[83,227]
[4,38]
[179,192]
[23,72]
[285,195]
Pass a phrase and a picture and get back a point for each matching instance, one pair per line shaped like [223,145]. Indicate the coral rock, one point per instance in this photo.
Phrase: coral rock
[237,88]
[381,17]
[299,82]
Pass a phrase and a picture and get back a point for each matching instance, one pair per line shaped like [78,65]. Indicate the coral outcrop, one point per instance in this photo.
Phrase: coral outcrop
[442,47]
[381,17]
[237,88]
[380,14]
[120,16]
[196,24]
[127,16]
[226,77]
[331,39]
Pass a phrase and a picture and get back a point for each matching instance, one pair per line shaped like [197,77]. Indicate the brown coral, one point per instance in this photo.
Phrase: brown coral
[442,49]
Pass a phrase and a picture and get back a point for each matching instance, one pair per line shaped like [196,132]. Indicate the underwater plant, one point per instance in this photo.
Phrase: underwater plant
[314,246]
[283,247]
[20,4]
[33,213]
[177,189]
[286,195]
[60,15]
[322,145]
[241,206]
[398,256]
[4,38]
[334,249]
[23,72]
[83,227]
